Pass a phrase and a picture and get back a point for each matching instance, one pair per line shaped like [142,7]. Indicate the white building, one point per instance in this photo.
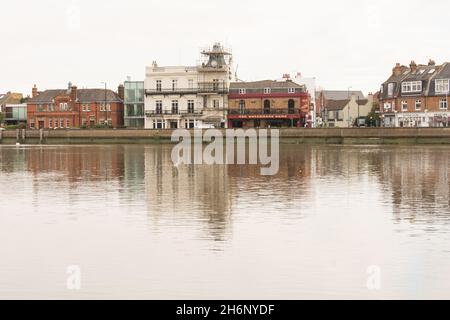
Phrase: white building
[189,96]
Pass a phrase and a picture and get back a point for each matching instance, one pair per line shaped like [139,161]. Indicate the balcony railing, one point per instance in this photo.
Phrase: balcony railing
[154,113]
[262,111]
[202,88]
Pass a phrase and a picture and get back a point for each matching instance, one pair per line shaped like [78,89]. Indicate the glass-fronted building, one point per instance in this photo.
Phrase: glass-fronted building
[134,104]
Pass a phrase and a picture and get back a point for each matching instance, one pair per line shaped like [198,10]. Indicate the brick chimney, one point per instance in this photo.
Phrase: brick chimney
[431,62]
[413,66]
[34,92]
[73,93]
[397,70]
[121,92]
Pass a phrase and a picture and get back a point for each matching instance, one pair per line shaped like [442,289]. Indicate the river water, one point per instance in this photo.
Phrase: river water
[337,222]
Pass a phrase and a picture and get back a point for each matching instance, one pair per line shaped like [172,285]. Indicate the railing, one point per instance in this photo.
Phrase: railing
[203,87]
[169,112]
[262,111]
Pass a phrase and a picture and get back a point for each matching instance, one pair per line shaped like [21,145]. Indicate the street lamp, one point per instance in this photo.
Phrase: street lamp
[349,106]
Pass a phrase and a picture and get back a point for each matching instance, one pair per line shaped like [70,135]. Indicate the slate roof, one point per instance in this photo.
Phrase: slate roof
[10,98]
[341,94]
[265,84]
[424,73]
[83,96]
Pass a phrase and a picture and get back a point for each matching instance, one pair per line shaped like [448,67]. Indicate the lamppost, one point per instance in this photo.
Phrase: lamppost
[106,109]
[349,106]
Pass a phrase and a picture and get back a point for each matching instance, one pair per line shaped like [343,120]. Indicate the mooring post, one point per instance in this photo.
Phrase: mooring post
[23,134]
[17,135]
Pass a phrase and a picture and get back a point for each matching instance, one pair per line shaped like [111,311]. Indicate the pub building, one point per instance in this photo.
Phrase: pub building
[268,104]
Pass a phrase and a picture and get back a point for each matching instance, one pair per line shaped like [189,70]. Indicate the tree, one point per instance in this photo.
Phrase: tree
[2,118]
[373,118]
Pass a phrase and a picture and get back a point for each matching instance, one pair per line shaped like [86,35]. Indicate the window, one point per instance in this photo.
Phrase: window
[158,85]
[216,84]
[67,123]
[174,85]
[83,107]
[242,91]
[216,103]
[387,106]
[55,123]
[158,107]
[404,106]
[191,84]
[267,90]
[418,104]
[391,89]
[442,86]
[412,86]
[191,106]
[108,107]
[291,90]
[61,107]
[443,104]
[174,106]
[242,106]
[50,123]
[431,71]
[61,123]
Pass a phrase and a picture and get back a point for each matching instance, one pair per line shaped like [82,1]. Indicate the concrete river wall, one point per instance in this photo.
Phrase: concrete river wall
[297,136]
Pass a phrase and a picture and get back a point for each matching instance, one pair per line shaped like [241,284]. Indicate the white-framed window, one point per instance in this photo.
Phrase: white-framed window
[387,106]
[191,84]
[242,91]
[412,86]
[50,123]
[83,107]
[443,104]
[108,107]
[267,90]
[391,89]
[158,85]
[174,85]
[291,90]
[61,106]
[404,105]
[61,123]
[442,85]
[190,106]
[216,103]
[67,123]
[88,107]
[174,106]
[158,107]
[55,123]
[418,105]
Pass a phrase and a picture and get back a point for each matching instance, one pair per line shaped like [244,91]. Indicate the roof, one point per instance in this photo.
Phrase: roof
[265,84]
[10,98]
[336,104]
[341,94]
[83,96]
[424,73]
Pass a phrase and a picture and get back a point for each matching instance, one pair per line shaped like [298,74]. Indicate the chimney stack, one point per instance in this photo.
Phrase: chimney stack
[121,92]
[431,62]
[413,66]
[73,93]
[397,70]
[34,92]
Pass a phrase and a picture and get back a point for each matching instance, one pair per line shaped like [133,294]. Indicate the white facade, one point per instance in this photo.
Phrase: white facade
[416,119]
[186,96]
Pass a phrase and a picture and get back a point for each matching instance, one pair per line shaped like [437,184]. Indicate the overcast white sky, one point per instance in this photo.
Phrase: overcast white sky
[341,43]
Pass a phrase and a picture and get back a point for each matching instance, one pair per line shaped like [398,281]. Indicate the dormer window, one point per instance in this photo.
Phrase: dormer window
[242,91]
[267,90]
[412,86]
[442,85]
[391,89]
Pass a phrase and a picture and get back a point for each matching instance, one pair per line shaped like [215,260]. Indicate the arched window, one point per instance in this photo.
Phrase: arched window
[291,106]
[266,106]
[242,106]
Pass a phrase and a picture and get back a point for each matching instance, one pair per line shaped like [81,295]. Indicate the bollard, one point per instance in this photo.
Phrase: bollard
[41,135]
[23,135]
[17,135]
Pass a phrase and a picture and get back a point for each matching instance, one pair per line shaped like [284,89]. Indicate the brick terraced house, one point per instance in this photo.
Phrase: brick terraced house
[75,108]
[416,96]
[268,103]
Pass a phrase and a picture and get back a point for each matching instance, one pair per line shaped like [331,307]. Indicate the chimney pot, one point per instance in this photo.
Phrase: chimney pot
[34,92]
[73,93]
[121,92]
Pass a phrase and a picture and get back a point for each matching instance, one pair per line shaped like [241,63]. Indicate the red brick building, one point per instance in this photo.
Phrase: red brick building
[268,103]
[75,108]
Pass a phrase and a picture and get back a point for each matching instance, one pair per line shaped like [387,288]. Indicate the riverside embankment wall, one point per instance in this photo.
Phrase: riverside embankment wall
[299,136]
